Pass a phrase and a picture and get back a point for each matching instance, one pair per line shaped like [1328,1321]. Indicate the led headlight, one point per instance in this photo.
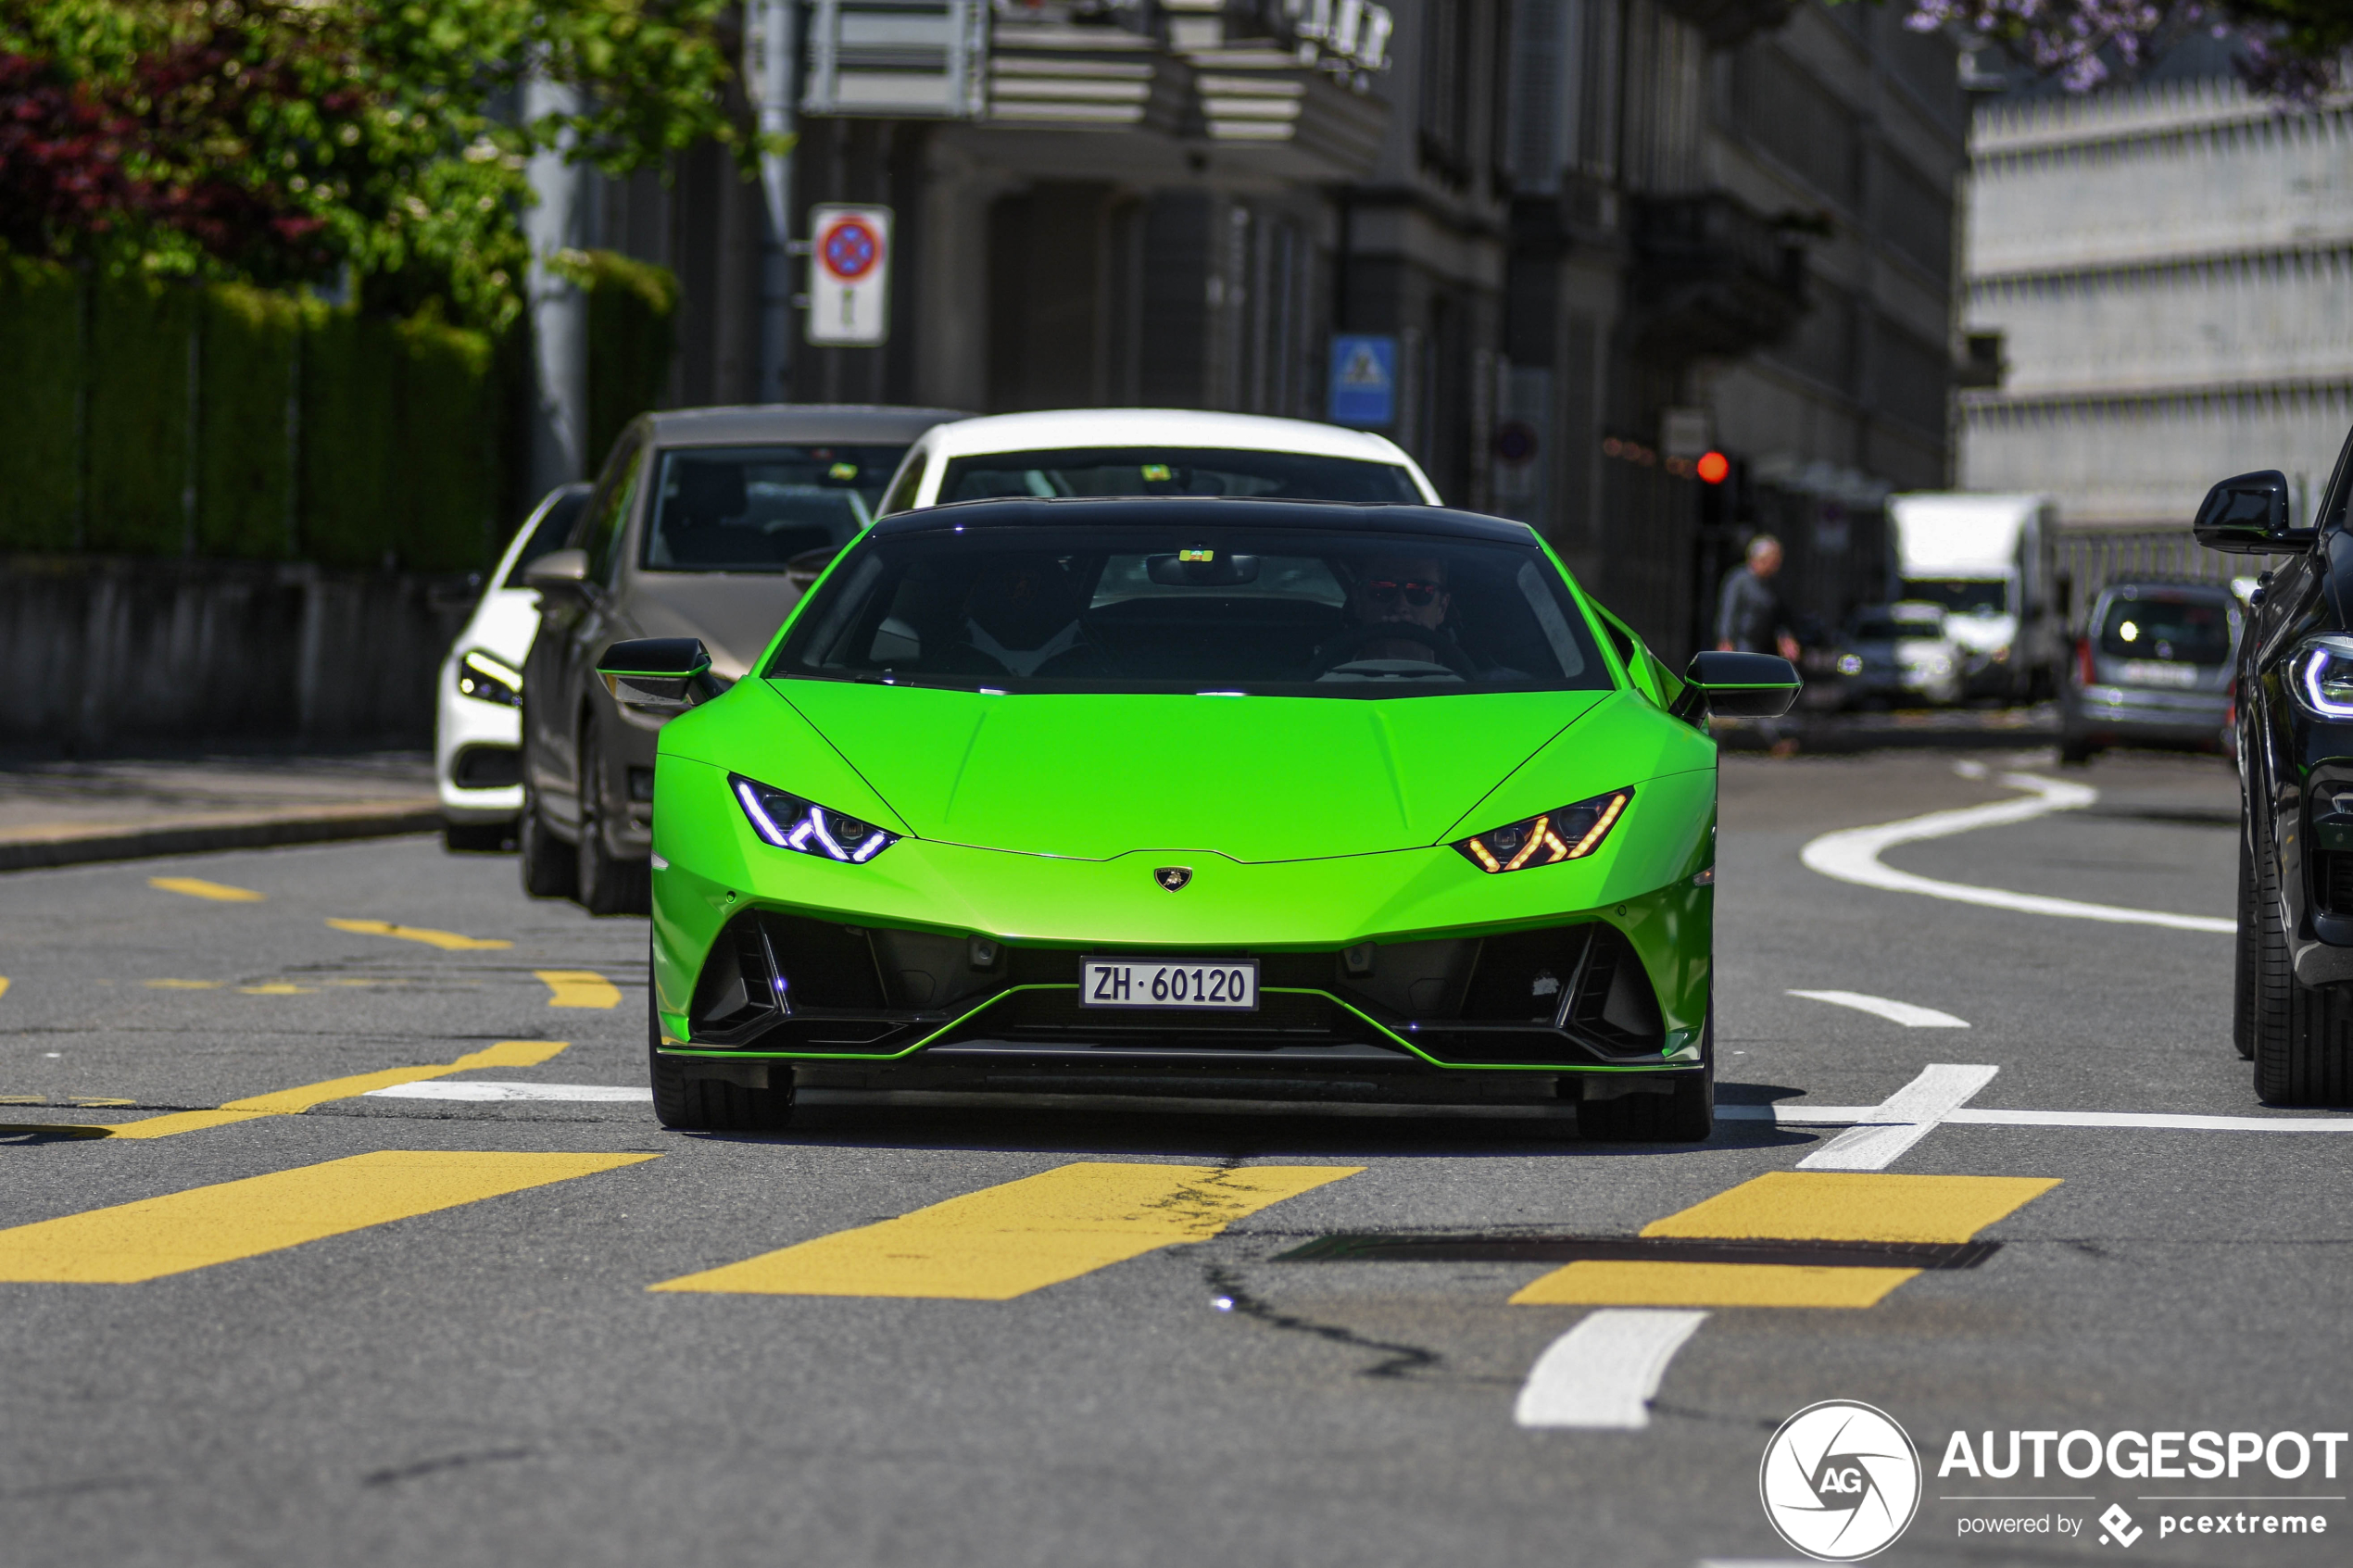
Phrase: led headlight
[2321,676]
[790,822]
[1570,834]
[487,678]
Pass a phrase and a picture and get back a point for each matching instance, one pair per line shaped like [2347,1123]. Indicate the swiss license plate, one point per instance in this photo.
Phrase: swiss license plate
[1223,985]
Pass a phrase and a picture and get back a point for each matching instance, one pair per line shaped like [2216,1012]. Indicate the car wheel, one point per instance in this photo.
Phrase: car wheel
[2302,1052]
[1685,1114]
[709,1105]
[2245,979]
[548,866]
[608,884]
[474,838]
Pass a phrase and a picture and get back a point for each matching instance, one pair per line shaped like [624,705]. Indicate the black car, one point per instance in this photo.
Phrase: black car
[2295,732]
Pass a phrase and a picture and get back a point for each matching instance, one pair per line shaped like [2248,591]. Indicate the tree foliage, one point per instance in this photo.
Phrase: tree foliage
[2290,49]
[285,141]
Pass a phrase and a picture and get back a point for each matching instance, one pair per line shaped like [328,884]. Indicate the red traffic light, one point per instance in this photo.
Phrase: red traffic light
[1714,468]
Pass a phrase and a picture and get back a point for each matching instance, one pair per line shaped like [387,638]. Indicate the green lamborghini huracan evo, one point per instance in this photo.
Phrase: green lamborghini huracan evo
[1308,796]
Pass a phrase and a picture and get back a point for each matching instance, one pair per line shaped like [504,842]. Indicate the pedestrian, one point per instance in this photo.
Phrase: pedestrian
[1749,619]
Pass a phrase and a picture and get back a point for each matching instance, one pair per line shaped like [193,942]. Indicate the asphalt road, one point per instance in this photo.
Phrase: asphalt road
[460,1361]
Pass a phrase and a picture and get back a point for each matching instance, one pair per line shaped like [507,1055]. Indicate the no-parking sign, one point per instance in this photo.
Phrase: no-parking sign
[850,275]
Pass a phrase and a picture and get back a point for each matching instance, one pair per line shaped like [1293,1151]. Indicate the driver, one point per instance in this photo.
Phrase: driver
[1409,593]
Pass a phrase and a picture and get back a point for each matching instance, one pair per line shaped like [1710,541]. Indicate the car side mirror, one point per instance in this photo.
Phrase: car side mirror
[2249,516]
[558,573]
[658,675]
[1745,686]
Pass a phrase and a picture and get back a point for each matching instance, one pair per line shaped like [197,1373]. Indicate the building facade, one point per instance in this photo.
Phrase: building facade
[1604,236]
[2159,295]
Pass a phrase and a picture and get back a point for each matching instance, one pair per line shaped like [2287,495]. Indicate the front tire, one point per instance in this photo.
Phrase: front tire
[710,1105]
[608,884]
[550,870]
[2246,978]
[2303,1034]
[1684,1114]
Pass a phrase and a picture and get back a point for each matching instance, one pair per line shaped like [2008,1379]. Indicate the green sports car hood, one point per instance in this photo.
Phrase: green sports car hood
[1256,779]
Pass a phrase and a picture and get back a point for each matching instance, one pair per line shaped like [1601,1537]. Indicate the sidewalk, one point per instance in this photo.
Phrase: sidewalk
[62,813]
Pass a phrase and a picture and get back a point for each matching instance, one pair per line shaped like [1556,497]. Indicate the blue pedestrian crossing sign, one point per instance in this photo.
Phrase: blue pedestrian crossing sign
[1363,381]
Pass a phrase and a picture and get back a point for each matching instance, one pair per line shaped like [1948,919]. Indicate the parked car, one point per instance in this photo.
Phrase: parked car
[477,733]
[706,523]
[1896,654]
[1075,452]
[2153,668]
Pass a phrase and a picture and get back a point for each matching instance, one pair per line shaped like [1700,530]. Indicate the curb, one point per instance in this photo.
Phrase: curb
[199,838]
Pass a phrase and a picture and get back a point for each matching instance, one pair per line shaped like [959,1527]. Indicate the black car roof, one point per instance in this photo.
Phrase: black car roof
[847,423]
[1206,511]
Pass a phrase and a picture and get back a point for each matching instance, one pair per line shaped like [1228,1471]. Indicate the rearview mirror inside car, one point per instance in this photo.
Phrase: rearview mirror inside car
[1745,686]
[658,675]
[560,571]
[2249,516]
[1202,568]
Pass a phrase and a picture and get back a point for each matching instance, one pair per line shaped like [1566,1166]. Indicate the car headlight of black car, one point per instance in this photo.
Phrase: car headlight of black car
[792,822]
[487,678]
[2321,676]
[1569,833]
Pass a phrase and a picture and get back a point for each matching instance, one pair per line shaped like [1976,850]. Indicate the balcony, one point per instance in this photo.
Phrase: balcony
[1712,276]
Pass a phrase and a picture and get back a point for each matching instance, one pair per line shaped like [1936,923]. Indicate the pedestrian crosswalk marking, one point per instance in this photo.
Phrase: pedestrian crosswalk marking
[197,887]
[1007,1241]
[290,1102]
[1793,1206]
[207,1225]
[578,988]
[448,941]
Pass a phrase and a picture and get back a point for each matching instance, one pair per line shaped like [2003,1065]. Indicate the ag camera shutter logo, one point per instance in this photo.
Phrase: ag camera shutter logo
[1840,1481]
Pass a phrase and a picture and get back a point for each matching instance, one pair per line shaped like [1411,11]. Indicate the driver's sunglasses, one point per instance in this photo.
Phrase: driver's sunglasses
[1415,594]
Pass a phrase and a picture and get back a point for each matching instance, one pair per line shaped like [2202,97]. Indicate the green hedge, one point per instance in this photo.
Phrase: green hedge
[40,326]
[633,320]
[319,433]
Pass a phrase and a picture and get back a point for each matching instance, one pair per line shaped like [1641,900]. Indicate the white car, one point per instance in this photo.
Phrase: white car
[477,742]
[1154,452]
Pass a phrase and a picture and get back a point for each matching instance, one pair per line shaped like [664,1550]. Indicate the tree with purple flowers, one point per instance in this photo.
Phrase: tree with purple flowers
[2291,48]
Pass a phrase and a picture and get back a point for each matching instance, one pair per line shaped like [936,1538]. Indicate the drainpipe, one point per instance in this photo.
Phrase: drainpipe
[776,25]
[556,221]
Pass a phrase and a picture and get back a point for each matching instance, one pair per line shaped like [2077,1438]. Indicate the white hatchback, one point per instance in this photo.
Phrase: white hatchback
[1154,452]
[478,713]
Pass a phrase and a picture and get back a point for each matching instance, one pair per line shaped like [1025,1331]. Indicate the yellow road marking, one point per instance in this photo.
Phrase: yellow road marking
[24,1100]
[185,985]
[1007,1241]
[1856,1206]
[197,887]
[98,1104]
[1793,1206]
[218,1225]
[279,989]
[448,941]
[291,1102]
[579,988]
[4,984]
[1593,1283]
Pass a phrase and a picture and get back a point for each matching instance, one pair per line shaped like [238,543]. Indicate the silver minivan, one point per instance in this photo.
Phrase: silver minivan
[2153,668]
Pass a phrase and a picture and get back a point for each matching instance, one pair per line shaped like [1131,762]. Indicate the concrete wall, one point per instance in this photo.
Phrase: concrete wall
[118,654]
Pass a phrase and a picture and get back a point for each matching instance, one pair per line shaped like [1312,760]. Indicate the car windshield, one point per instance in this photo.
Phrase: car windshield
[1183,607]
[755,508]
[555,527]
[1177,470]
[2173,627]
[1960,595]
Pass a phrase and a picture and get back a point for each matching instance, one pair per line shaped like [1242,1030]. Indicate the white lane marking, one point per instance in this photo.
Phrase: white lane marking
[1901,1120]
[1904,1014]
[476,1090]
[1852,854]
[1602,1372]
[2147,1121]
